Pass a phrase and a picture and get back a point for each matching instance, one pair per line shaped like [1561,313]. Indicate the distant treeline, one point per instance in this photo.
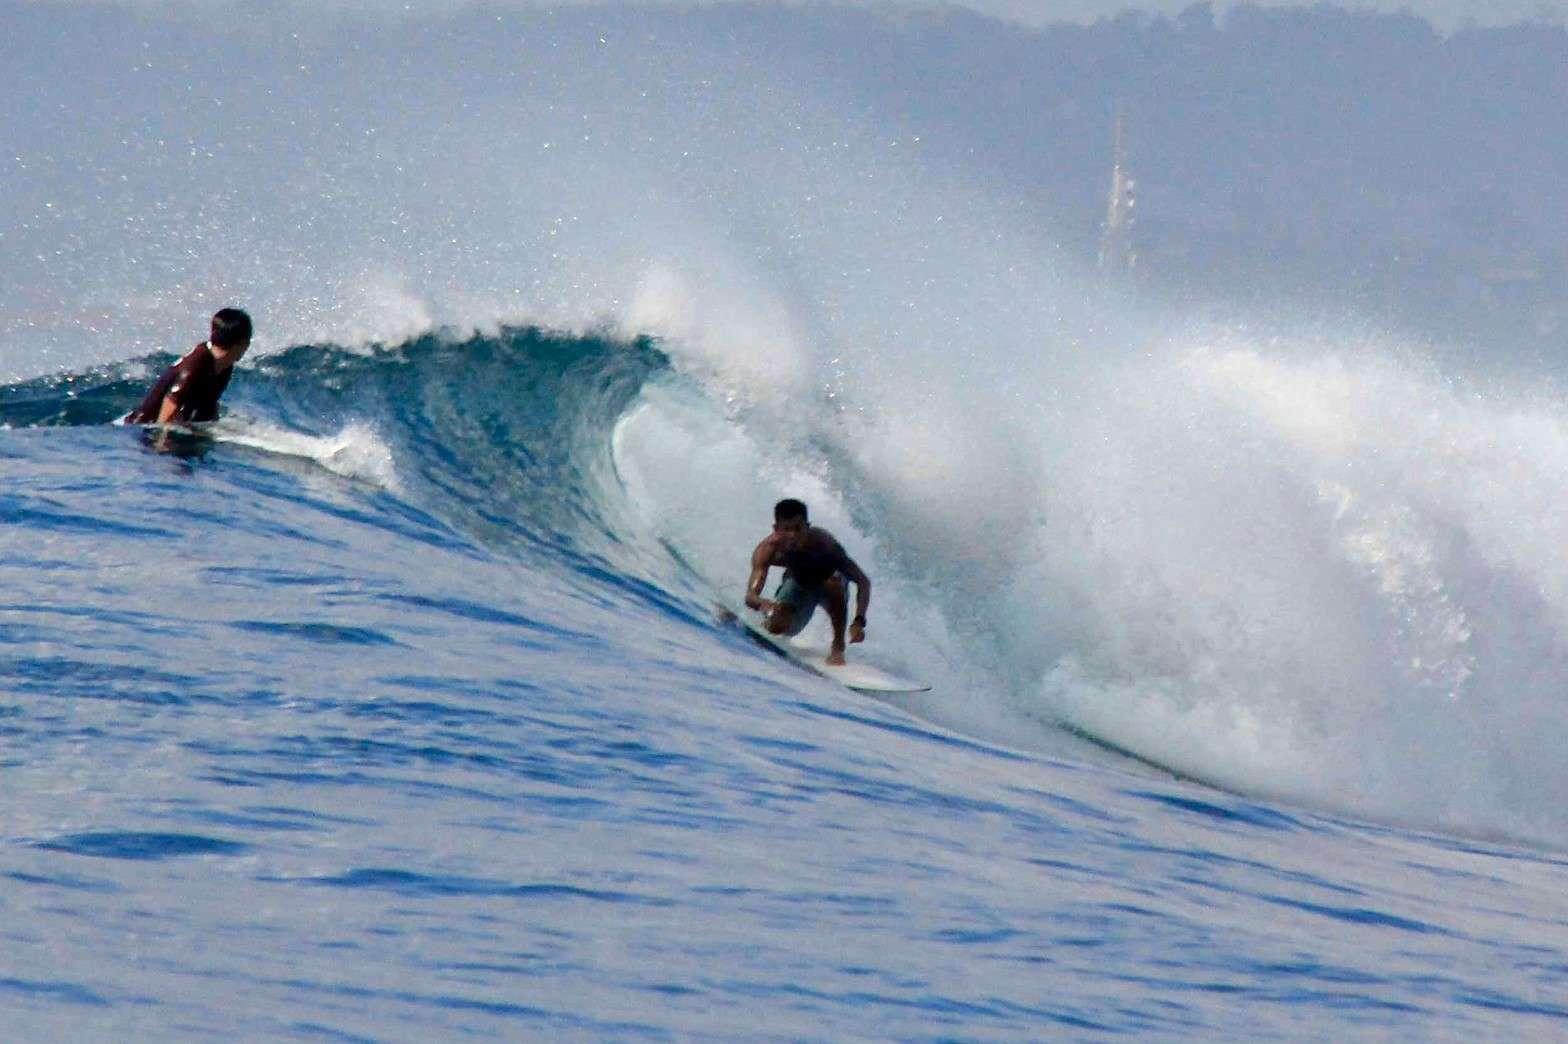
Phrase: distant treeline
[1331,150]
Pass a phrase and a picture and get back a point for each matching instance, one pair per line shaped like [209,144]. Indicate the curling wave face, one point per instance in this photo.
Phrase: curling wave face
[1325,575]
[1297,565]
[1314,569]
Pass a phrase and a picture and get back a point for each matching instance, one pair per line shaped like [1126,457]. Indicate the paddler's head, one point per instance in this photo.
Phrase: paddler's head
[230,334]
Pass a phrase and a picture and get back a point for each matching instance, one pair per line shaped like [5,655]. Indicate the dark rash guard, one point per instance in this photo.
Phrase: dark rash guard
[196,386]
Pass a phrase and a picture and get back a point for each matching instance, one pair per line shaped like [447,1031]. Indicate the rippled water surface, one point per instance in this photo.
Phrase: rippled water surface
[321,736]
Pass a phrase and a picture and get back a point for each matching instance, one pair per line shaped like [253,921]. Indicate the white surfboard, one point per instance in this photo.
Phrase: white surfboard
[856,674]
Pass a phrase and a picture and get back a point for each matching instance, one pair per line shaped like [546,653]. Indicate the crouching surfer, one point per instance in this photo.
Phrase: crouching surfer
[188,391]
[816,568]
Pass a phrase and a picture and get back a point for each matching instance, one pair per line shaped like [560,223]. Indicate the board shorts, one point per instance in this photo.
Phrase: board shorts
[802,600]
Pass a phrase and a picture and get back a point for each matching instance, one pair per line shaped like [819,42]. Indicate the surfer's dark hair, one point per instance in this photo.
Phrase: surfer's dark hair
[230,328]
[789,508]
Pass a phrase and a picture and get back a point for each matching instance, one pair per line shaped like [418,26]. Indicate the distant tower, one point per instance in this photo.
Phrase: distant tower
[1117,256]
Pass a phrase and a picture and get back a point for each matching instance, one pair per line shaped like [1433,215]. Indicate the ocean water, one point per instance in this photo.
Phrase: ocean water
[400,705]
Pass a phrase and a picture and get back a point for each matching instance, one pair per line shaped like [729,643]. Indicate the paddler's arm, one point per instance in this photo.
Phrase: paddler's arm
[862,582]
[168,408]
[760,560]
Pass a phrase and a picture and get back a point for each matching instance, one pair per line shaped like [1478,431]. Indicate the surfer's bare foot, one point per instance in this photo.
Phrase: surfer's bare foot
[836,657]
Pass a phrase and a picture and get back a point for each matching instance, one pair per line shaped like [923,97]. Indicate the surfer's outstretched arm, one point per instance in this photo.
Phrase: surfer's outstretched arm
[761,559]
[862,582]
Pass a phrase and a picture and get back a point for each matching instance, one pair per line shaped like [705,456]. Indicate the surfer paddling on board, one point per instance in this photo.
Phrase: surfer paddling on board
[815,569]
[188,391]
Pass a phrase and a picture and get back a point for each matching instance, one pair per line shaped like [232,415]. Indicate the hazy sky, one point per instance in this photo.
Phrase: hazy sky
[1446,14]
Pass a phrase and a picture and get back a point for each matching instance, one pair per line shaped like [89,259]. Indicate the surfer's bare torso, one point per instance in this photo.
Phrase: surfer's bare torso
[816,567]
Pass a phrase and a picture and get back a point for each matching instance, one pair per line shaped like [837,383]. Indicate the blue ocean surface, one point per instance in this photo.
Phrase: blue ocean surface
[405,703]
[376,713]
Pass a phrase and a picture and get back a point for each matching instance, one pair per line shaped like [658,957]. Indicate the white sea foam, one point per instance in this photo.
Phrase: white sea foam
[356,451]
[1324,573]
[1306,567]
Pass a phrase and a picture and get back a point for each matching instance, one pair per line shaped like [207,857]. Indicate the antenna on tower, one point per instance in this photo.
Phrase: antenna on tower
[1116,251]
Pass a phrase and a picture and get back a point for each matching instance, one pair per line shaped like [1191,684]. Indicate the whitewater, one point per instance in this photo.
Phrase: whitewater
[400,706]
